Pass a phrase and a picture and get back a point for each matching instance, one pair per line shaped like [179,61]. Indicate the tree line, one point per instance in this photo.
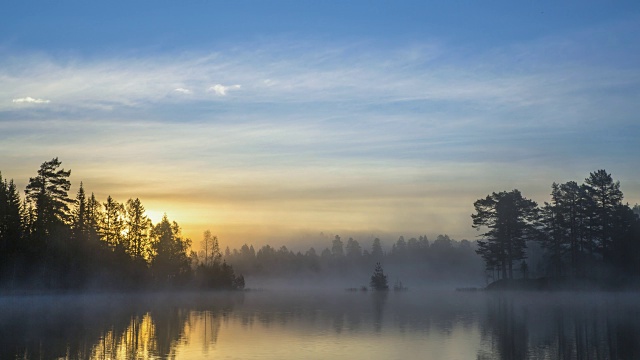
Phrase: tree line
[50,241]
[585,232]
[418,258]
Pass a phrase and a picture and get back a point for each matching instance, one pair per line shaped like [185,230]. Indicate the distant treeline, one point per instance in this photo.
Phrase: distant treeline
[415,258]
[50,241]
[585,232]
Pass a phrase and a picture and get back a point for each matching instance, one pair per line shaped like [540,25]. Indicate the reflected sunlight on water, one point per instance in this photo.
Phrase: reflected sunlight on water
[270,325]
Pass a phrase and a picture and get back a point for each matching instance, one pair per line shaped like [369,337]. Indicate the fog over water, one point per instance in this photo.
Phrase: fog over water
[326,323]
[319,180]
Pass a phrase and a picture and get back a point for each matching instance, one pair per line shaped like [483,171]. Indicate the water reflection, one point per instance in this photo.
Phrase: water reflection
[561,326]
[107,327]
[345,325]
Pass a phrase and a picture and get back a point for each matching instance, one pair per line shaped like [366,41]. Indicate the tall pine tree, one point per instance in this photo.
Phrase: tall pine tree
[510,220]
[137,226]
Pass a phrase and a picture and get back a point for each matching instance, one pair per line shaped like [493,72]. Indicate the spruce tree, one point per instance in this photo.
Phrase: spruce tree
[93,219]
[79,216]
[111,224]
[138,226]
[379,279]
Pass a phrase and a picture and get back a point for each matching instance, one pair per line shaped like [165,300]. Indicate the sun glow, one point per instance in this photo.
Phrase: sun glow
[154,216]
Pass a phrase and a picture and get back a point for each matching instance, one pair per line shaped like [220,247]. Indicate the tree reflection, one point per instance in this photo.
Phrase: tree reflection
[104,327]
[566,330]
[379,299]
[508,330]
[510,326]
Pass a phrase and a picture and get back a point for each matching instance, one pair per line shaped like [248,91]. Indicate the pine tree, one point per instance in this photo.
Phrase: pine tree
[354,251]
[3,217]
[13,218]
[554,238]
[79,215]
[170,259]
[510,220]
[376,249]
[607,197]
[93,219]
[337,248]
[573,206]
[111,224]
[47,192]
[137,226]
[379,279]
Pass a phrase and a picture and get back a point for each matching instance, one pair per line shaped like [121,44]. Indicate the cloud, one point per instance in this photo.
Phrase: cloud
[221,90]
[182,91]
[354,75]
[322,128]
[31,100]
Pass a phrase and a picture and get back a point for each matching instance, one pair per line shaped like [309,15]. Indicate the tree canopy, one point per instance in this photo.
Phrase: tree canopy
[510,220]
[585,231]
[50,241]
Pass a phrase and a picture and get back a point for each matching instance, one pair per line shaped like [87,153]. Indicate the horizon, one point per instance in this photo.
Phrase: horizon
[295,119]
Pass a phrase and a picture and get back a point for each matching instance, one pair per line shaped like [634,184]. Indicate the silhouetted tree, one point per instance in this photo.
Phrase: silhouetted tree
[337,247]
[10,230]
[47,192]
[48,245]
[325,254]
[27,218]
[239,282]
[111,224]
[170,263]
[12,220]
[567,222]
[138,226]
[379,279]
[79,216]
[376,250]
[313,260]
[49,255]
[210,248]
[442,242]
[624,251]
[354,251]
[399,249]
[417,248]
[510,220]
[93,218]
[607,198]
[554,238]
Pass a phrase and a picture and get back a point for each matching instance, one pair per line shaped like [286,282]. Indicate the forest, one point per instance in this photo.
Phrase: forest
[413,261]
[50,241]
[585,234]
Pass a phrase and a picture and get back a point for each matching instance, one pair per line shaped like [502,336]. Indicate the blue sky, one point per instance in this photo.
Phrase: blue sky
[270,121]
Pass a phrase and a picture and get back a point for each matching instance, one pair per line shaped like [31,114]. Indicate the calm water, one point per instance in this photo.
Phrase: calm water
[322,325]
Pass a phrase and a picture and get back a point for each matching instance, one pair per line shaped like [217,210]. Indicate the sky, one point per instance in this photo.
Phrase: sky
[286,122]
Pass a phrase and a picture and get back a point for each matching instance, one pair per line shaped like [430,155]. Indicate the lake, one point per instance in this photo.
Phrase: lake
[328,324]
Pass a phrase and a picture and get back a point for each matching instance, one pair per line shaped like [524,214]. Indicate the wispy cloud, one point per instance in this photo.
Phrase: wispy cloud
[222,90]
[182,91]
[30,100]
[287,74]
[344,127]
